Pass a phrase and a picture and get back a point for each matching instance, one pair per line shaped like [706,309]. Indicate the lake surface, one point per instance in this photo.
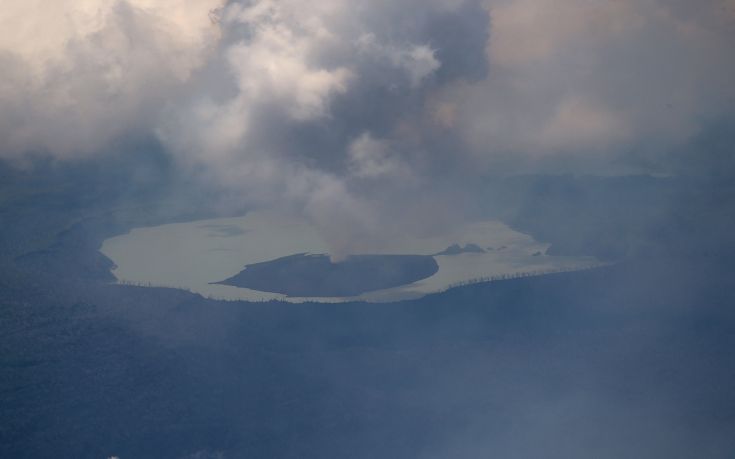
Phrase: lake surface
[191,255]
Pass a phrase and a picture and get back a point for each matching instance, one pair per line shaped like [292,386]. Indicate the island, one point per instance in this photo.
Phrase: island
[316,275]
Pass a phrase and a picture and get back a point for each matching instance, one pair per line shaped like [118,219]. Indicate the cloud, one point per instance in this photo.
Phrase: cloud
[418,61]
[596,79]
[79,74]
[371,158]
[317,115]
[356,112]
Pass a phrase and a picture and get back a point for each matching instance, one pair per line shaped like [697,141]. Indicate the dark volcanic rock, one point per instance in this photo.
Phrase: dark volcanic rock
[456,249]
[317,276]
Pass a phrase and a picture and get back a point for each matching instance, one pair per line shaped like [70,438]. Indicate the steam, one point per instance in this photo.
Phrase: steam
[367,117]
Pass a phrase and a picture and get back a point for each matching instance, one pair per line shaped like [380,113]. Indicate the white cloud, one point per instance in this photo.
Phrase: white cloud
[275,62]
[417,61]
[288,62]
[80,73]
[371,158]
[270,97]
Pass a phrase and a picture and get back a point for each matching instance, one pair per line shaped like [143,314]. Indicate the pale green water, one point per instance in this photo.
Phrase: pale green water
[192,254]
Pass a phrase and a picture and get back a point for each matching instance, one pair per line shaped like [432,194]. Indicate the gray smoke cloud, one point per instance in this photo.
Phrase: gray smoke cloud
[367,117]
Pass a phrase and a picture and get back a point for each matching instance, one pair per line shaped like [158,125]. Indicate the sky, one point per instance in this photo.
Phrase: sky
[368,117]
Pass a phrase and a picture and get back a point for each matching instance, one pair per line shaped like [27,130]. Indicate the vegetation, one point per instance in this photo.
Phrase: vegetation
[634,358]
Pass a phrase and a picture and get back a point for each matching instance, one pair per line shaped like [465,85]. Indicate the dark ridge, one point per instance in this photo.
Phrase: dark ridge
[456,249]
[317,276]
